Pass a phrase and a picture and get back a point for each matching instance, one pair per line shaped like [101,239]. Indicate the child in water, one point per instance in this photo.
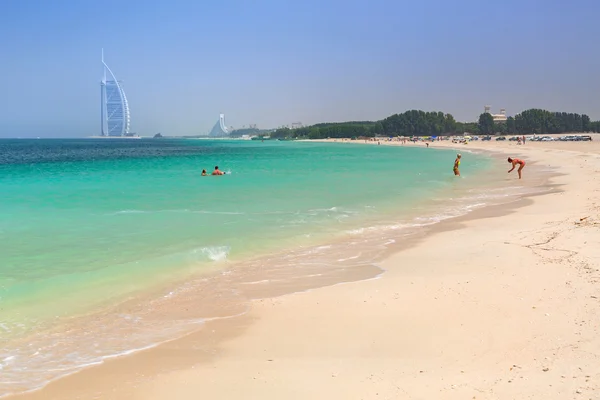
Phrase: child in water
[203,172]
[456,165]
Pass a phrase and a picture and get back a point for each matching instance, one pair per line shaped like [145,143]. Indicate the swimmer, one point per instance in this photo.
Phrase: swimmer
[514,162]
[217,171]
[456,165]
[204,172]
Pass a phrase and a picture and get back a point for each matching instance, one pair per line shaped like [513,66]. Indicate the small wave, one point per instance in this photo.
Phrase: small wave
[334,209]
[184,210]
[324,209]
[368,229]
[129,212]
[298,221]
[52,362]
[213,253]
[321,248]
[349,258]
[217,212]
[499,189]
[257,282]
[217,253]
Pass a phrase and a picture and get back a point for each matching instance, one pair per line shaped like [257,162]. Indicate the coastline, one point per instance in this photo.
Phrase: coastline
[350,331]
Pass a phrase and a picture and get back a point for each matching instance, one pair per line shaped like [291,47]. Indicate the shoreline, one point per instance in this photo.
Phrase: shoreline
[234,328]
[243,278]
[167,305]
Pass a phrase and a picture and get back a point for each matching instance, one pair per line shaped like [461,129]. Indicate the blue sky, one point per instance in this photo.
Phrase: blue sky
[276,62]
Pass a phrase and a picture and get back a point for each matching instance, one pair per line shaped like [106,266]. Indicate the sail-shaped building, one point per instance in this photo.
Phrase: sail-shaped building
[220,129]
[115,118]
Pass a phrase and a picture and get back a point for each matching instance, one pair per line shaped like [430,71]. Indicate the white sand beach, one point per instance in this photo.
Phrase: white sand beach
[502,303]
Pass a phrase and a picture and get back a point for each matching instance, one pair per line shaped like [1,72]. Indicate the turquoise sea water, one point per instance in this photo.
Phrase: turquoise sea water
[89,223]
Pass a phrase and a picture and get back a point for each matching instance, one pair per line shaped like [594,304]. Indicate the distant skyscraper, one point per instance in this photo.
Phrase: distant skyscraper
[220,129]
[114,107]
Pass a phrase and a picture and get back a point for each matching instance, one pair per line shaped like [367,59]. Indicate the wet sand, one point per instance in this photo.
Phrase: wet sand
[501,303]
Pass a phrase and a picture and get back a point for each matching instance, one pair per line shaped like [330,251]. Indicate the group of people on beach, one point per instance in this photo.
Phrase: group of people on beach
[217,171]
[513,161]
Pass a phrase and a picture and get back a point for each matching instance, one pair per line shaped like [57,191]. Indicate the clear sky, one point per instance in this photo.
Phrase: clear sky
[276,62]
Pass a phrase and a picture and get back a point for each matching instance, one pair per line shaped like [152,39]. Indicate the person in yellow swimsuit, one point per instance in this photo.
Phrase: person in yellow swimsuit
[456,165]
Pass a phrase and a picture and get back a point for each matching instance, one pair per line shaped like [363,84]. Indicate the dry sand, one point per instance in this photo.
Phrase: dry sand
[501,304]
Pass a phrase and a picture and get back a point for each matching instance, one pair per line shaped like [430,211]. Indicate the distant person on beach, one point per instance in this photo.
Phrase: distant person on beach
[514,162]
[456,165]
[217,171]
[204,172]
[427,143]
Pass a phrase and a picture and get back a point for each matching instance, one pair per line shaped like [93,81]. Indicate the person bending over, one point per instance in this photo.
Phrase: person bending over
[514,162]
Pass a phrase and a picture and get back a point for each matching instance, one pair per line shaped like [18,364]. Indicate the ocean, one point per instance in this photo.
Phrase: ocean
[111,246]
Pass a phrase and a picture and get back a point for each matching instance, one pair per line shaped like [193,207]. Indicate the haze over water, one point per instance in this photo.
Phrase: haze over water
[87,224]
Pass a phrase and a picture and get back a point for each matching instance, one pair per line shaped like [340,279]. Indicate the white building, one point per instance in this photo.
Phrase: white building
[114,108]
[220,129]
[497,117]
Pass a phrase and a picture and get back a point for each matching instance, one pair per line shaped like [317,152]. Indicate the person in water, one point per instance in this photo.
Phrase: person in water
[217,171]
[514,162]
[204,172]
[456,165]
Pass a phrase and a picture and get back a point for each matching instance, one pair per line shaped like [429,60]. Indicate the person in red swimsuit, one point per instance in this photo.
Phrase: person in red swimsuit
[514,162]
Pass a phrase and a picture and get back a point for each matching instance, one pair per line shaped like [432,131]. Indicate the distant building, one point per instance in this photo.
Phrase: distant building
[497,117]
[114,109]
[220,129]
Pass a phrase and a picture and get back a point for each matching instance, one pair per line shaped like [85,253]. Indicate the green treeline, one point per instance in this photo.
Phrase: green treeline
[421,123]
[332,130]
[536,121]
[542,121]
[413,123]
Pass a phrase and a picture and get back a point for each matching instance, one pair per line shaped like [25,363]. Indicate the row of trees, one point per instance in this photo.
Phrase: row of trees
[417,122]
[330,130]
[536,121]
[410,123]
[421,123]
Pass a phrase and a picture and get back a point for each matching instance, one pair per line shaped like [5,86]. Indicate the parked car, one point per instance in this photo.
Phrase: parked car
[486,138]
[501,138]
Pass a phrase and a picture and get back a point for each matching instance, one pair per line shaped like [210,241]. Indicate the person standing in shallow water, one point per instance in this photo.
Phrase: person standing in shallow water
[514,162]
[456,165]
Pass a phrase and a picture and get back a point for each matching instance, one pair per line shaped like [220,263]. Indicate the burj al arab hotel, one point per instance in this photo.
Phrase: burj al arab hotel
[114,111]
